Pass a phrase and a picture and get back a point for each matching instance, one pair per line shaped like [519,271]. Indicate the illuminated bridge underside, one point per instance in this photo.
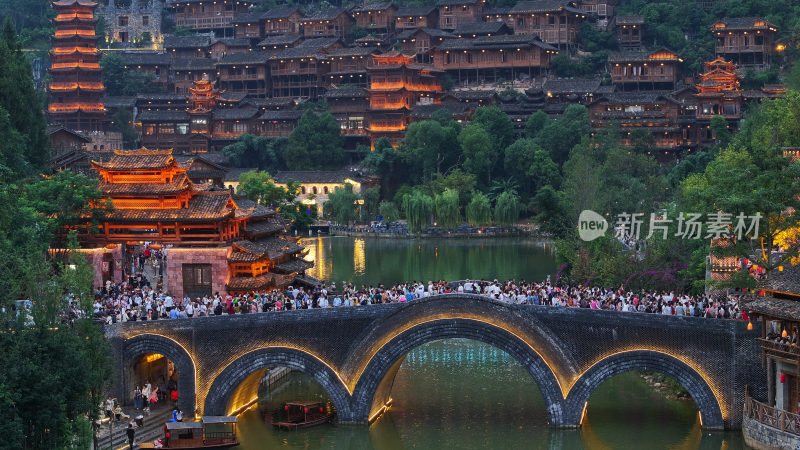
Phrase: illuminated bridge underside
[354,353]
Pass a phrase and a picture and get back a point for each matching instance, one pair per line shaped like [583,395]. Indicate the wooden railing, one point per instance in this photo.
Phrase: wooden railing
[770,345]
[776,418]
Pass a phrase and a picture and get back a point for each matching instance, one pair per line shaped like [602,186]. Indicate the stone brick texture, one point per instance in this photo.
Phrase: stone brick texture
[176,258]
[568,352]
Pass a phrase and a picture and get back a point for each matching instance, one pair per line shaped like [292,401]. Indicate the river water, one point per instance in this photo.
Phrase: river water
[462,394]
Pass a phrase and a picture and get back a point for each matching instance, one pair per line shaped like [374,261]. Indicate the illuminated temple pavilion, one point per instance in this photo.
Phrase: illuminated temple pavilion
[75,92]
[218,243]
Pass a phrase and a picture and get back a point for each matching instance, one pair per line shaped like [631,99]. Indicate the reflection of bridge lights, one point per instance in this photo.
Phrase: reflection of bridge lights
[359,256]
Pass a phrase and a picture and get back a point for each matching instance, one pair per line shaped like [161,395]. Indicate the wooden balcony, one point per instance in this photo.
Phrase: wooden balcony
[785,350]
[215,21]
[241,77]
[779,419]
[741,48]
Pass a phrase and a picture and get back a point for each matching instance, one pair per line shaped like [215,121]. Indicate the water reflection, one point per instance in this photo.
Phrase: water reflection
[379,260]
[463,394]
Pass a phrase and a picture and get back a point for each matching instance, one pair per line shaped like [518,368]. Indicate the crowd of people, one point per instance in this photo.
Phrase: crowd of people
[135,299]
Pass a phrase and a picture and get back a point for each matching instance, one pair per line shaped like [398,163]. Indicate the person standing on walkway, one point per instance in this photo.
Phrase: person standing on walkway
[131,432]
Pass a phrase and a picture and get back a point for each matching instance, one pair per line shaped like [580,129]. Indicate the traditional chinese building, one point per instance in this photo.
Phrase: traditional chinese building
[718,93]
[75,92]
[556,22]
[629,31]
[455,13]
[397,84]
[217,243]
[410,17]
[331,22]
[378,18]
[489,58]
[209,16]
[746,41]
[644,70]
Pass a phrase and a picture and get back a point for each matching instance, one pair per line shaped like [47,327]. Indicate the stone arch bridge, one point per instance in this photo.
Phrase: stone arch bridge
[355,353]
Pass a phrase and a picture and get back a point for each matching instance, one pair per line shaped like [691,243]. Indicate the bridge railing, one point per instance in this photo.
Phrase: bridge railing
[773,417]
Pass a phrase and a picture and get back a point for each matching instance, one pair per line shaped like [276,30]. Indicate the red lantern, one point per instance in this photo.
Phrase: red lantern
[783,378]
[166,435]
[305,410]
[320,409]
[286,407]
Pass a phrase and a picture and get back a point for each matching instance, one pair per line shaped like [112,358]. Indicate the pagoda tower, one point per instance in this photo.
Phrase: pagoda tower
[397,84]
[76,92]
[718,91]
[203,96]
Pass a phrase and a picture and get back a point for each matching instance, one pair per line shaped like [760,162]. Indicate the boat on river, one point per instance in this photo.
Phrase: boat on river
[302,414]
[216,432]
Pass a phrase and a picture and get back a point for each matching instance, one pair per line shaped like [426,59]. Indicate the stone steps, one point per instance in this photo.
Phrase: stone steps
[150,430]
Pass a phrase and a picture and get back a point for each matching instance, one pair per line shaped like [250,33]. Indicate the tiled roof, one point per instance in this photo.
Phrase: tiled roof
[356,92]
[249,283]
[161,97]
[483,94]
[416,11]
[427,111]
[137,159]
[496,11]
[119,102]
[281,40]
[578,86]
[205,206]
[179,184]
[377,6]
[290,114]
[633,98]
[478,28]
[543,6]
[279,13]
[318,43]
[248,17]
[235,113]
[630,20]
[324,14]
[294,266]
[269,103]
[233,42]
[192,64]
[743,23]
[456,2]
[259,57]
[187,41]
[163,116]
[272,247]
[352,51]
[264,227]
[146,58]
[432,32]
[501,41]
[786,281]
[774,307]
[315,176]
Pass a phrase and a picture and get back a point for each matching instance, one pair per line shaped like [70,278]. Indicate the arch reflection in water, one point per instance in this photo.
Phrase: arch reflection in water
[463,394]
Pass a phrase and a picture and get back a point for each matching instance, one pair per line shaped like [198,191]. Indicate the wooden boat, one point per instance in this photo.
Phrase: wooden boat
[217,432]
[296,415]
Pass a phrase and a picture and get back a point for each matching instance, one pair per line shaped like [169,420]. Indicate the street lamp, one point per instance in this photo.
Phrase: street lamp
[360,206]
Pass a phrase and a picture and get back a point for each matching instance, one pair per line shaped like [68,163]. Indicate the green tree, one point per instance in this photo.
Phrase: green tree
[122,122]
[341,205]
[259,187]
[559,136]
[497,124]
[479,210]
[113,75]
[256,151]
[507,209]
[479,154]
[429,147]
[22,101]
[67,200]
[448,213]
[371,196]
[719,126]
[536,123]
[419,211]
[389,211]
[316,143]
[543,171]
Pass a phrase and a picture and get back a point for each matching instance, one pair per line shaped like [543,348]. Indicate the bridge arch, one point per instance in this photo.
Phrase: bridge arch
[689,378]
[226,383]
[374,385]
[146,344]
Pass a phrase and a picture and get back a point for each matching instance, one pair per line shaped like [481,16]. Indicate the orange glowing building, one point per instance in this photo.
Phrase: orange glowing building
[397,84]
[216,243]
[75,92]
[718,91]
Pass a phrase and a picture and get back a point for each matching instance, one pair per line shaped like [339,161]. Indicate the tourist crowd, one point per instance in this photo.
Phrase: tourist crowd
[135,299]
